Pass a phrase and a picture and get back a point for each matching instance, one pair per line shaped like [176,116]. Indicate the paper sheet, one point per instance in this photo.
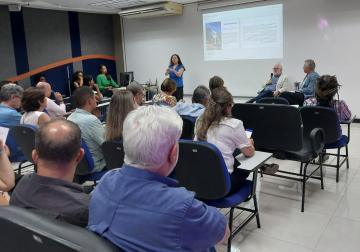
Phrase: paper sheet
[3,134]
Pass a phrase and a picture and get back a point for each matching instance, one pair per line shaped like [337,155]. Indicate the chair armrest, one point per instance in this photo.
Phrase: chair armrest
[317,139]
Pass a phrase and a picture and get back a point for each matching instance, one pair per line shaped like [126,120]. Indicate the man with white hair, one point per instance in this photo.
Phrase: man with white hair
[10,98]
[138,207]
[52,109]
[275,86]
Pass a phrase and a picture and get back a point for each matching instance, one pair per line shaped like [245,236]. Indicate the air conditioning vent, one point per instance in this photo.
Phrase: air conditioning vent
[152,10]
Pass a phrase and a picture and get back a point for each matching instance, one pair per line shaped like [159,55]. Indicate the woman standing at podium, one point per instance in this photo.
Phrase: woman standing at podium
[175,71]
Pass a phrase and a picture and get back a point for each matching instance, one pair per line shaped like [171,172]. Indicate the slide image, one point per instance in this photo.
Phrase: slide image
[213,36]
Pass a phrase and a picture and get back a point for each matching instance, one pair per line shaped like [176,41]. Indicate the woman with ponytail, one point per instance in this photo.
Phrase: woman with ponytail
[326,88]
[216,126]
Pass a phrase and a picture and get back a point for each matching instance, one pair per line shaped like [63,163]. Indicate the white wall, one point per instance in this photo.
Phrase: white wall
[150,42]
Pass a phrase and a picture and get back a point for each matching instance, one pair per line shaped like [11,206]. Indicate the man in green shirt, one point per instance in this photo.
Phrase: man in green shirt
[105,81]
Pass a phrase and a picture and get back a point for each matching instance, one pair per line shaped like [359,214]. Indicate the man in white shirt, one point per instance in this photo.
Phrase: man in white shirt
[277,84]
[52,109]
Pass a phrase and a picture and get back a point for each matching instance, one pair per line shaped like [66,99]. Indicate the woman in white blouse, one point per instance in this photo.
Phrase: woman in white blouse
[34,103]
[216,126]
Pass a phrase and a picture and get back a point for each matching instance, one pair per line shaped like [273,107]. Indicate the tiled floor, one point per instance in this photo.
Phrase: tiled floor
[331,221]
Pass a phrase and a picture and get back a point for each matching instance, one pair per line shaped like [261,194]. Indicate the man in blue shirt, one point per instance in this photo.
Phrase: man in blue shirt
[306,88]
[200,100]
[10,98]
[138,207]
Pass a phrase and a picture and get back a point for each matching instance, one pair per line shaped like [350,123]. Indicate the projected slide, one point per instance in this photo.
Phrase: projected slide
[251,33]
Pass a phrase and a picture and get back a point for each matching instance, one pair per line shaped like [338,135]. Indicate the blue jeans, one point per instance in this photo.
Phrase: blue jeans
[262,94]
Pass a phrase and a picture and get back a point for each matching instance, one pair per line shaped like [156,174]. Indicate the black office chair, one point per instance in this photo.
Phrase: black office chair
[202,169]
[327,119]
[188,127]
[273,100]
[24,136]
[22,231]
[85,169]
[113,152]
[278,129]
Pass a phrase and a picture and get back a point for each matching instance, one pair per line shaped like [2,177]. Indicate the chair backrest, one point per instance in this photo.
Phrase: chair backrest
[188,127]
[22,230]
[16,154]
[24,136]
[275,127]
[273,100]
[201,168]
[86,165]
[321,117]
[113,152]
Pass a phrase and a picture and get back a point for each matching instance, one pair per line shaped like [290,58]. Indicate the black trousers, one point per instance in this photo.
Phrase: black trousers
[295,98]
[179,93]
[238,176]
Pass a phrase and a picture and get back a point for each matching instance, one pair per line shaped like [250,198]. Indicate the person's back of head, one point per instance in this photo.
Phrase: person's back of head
[82,96]
[201,95]
[32,99]
[46,87]
[326,88]
[122,102]
[88,79]
[215,82]
[58,148]
[219,107]
[137,90]
[168,86]
[150,136]
[10,91]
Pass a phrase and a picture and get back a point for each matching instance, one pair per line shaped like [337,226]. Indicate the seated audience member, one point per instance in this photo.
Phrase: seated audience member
[34,103]
[89,82]
[52,109]
[138,207]
[50,191]
[138,92]
[200,100]
[277,84]
[10,98]
[306,87]
[105,81]
[92,131]
[77,81]
[7,177]
[122,102]
[325,90]
[165,97]
[40,78]
[216,126]
[215,82]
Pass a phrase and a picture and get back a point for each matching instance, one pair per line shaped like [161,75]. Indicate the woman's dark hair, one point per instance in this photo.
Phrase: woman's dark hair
[76,77]
[179,60]
[217,109]
[32,97]
[168,86]
[215,82]
[87,80]
[326,88]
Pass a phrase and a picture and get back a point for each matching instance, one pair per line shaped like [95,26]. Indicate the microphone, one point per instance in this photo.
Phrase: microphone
[271,75]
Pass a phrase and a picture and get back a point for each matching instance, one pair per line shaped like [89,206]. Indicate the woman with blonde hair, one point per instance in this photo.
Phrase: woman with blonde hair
[217,127]
[121,104]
